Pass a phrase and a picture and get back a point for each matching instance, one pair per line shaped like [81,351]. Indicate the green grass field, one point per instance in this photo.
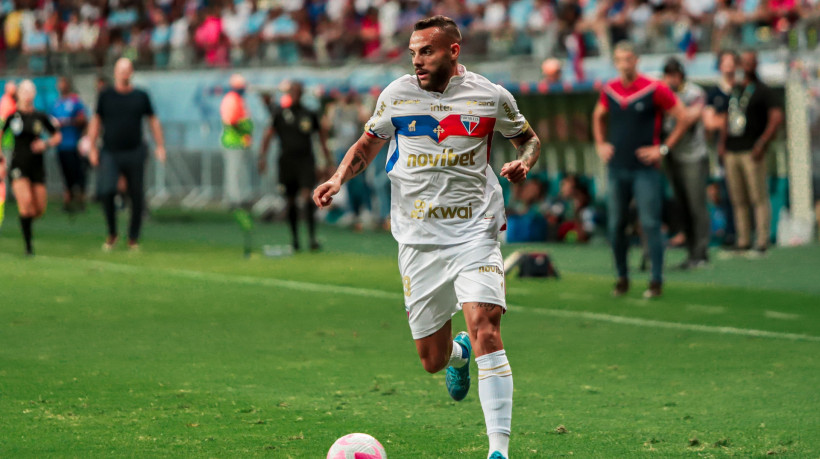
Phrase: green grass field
[189,349]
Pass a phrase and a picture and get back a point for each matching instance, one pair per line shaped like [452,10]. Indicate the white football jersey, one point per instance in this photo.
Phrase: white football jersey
[443,189]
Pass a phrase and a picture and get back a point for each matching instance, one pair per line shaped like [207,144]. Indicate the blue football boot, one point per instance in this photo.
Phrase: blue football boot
[497,455]
[458,379]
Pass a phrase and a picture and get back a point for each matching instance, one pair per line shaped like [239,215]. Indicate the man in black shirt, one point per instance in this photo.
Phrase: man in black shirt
[27,169]
[753,116]
[295,125]
[120,110]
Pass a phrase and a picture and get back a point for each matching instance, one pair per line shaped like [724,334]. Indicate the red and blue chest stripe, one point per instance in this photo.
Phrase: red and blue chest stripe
[439,130]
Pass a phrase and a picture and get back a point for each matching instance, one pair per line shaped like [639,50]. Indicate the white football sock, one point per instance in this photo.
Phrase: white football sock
[495,390]
[499,442]
[458,357]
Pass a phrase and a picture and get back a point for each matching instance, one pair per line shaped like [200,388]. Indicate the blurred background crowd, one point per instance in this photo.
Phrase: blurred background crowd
[55,35]
[552,54]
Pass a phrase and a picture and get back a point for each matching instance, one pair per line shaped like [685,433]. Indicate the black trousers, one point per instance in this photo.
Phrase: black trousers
[130,164]
[73,168]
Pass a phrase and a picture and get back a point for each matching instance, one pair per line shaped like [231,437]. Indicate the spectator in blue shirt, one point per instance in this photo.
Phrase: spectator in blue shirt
[35,45]
[70,112]
[160,41]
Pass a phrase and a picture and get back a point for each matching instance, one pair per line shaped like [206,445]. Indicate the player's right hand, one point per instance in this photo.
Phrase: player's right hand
[605,151]
[323,195]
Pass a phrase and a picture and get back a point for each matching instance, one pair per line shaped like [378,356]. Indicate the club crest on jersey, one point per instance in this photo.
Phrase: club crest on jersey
[470,122]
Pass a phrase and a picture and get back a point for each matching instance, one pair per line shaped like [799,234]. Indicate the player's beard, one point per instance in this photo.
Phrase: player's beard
[436,79]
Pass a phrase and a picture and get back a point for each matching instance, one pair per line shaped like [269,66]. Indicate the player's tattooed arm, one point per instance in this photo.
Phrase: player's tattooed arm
[358,157]
[358,163]
[529,149]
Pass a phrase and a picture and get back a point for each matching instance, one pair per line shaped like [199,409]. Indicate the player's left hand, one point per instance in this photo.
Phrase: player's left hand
[649,155]
[38,146]
[160,153]
[515,171]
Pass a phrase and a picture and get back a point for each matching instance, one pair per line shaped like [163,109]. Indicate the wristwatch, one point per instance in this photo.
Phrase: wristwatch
[663,149]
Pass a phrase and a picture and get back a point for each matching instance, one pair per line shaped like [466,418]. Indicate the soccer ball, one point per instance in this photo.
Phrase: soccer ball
[357,446]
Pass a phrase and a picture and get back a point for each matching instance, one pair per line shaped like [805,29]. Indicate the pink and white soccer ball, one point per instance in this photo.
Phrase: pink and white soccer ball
[357,446]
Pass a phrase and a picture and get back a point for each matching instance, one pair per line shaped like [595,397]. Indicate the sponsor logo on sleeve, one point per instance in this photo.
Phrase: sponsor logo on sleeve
[508,111]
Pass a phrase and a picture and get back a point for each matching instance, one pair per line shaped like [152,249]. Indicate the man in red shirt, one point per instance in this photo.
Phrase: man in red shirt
[630,143]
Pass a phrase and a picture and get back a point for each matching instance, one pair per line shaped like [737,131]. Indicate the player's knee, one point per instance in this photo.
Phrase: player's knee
[106,195]
[650,225]
[488,338]
[617,224]
[433,363]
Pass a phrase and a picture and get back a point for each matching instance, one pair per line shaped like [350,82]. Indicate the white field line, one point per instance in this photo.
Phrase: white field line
[706,309]
[781,315]
[381,294]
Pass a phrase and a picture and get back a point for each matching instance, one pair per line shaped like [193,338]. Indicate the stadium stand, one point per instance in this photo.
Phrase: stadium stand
[60,35]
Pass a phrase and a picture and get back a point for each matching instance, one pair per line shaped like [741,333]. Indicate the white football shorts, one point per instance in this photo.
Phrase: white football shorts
[439,279]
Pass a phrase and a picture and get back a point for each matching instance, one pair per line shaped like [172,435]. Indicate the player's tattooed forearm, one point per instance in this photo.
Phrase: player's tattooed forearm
[529,150]
[486,306]
[359,162]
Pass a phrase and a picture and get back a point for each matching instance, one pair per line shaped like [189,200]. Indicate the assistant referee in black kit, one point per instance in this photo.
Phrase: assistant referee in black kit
[120,110]
[295,125]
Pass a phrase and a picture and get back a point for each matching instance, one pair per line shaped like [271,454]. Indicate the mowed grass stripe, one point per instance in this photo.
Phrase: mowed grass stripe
[381,294]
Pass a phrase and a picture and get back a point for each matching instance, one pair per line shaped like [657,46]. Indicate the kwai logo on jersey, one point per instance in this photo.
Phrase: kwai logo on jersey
[422,210]
[463,212]
[470,122]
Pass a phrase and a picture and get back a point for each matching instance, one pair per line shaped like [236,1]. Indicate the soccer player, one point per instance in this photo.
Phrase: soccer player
[27,169]
[447,210]
[629,142]
[120,110]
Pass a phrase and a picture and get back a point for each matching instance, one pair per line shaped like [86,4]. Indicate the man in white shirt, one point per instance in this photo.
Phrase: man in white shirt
[447,210]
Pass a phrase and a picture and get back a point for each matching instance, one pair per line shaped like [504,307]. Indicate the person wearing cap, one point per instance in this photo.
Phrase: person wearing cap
[626,126]
[687,164]
[237,137]
[295,126]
